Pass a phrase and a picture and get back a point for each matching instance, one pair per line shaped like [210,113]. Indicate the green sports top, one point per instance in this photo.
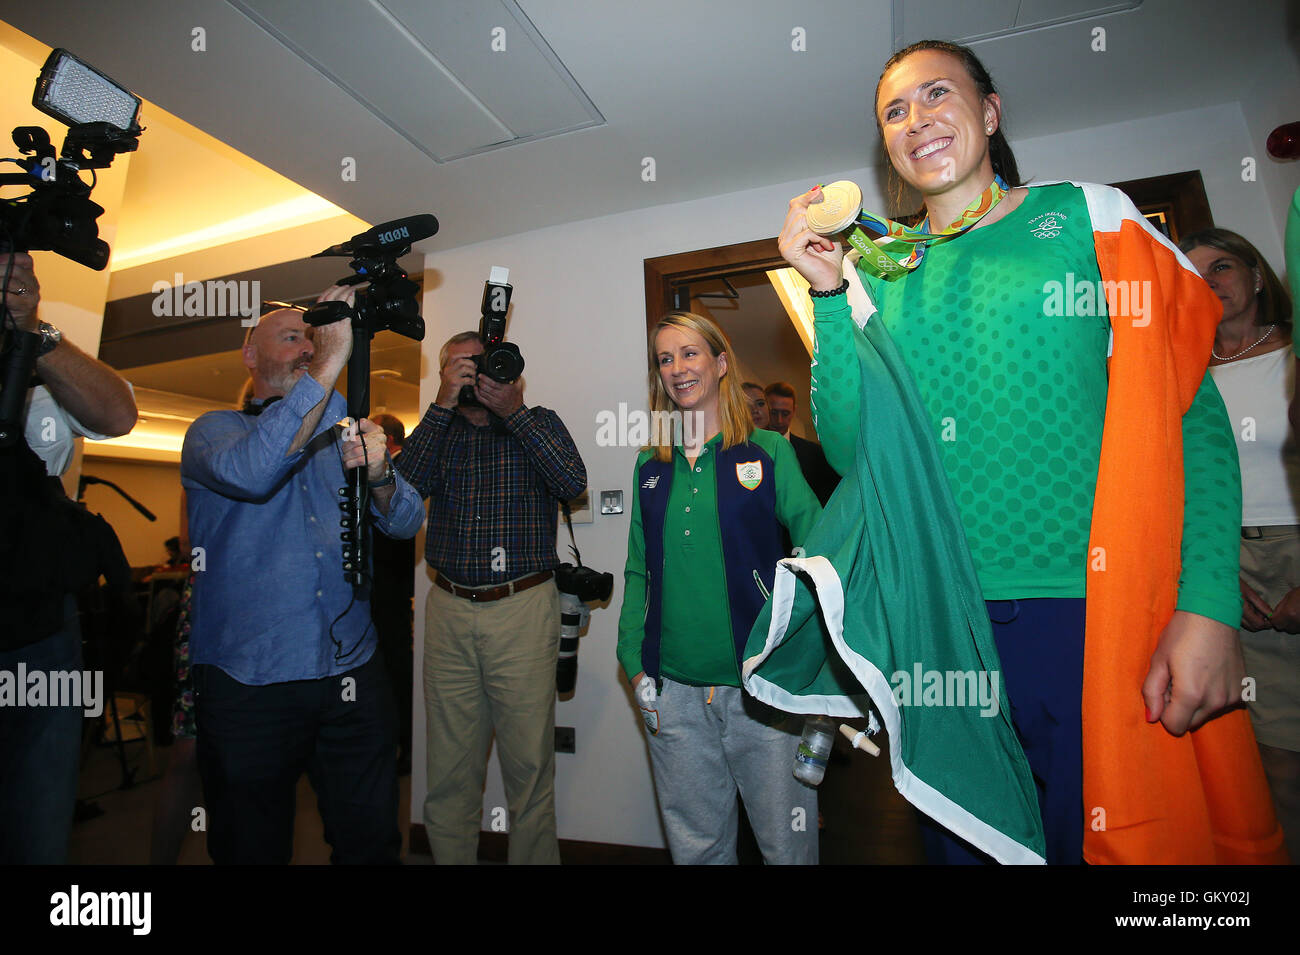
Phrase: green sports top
[696,645]
[1006,332]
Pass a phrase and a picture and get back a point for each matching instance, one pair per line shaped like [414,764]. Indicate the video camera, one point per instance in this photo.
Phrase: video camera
[57,214]
[501,360]
[389,302]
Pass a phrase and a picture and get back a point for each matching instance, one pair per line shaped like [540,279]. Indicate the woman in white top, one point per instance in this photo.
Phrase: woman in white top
[1253,369]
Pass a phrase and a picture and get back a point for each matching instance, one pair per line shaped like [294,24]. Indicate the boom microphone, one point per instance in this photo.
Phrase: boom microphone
[388,239]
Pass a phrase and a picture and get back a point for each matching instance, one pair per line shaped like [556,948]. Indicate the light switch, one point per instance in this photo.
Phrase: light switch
[611,502]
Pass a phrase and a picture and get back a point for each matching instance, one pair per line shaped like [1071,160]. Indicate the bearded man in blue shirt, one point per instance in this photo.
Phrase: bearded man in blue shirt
[286,678]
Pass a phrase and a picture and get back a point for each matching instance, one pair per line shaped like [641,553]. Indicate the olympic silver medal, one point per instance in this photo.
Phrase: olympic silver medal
[839,208]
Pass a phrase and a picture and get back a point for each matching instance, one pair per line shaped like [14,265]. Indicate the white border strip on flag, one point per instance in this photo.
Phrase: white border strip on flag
[828,590]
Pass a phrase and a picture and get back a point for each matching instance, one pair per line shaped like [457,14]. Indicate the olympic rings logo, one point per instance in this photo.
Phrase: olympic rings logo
[1049,229]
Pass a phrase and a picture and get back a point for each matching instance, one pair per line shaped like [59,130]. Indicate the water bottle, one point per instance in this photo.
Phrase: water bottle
[814,750]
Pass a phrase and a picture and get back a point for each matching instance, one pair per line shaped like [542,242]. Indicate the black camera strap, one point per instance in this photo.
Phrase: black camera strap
[564,508]
[254,407]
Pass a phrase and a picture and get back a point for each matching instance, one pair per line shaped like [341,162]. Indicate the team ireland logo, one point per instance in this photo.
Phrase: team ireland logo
[749,474]
[1049,225]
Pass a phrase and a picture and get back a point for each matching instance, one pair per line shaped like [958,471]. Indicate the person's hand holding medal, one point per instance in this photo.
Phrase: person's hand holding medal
[838,208]
[806,239]
[888,249]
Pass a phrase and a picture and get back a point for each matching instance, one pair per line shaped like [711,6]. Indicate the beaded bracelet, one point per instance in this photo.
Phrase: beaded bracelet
[841,289]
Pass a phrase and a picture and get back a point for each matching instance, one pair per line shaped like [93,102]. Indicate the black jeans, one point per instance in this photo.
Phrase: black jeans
[255,742]
[40,755]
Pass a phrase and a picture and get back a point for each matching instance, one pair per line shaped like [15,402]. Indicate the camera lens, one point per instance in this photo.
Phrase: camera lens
[502,362]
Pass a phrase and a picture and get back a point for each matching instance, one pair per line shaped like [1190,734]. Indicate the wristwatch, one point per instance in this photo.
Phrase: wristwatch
[50,338]
[390,476]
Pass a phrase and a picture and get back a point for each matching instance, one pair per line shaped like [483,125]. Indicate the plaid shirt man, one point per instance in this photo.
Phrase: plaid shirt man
[492,491]
[489,666]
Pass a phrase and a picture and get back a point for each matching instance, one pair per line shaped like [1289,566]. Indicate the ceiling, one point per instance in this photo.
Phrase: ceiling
[178,166]
[219,378]
[716,94]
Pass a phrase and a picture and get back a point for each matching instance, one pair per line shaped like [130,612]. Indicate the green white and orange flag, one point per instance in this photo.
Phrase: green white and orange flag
[891,585]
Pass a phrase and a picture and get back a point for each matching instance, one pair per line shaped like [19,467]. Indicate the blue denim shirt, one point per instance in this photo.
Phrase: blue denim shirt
[268,523]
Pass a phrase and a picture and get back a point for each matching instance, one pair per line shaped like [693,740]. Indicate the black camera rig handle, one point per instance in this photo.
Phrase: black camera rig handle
[389,302]
[355,497]
[18,364]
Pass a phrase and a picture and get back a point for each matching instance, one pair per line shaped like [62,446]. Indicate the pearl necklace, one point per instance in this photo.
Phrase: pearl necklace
[1268,332]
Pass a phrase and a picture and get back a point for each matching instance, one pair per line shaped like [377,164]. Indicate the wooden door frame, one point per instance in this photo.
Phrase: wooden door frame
[1180,195]
[664,273]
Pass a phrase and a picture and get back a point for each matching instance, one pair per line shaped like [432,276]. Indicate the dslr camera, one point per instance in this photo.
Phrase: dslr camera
[576,585]
[501,360]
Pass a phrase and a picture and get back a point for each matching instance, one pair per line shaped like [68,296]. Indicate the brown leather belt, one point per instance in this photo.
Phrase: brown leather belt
[481,595]
[1269,532]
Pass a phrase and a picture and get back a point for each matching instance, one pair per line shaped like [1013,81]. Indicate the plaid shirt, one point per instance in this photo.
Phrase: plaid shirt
[492,496]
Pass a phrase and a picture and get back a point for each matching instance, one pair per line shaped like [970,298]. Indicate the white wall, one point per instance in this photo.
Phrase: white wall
[1213,140]
[579,316]
[1273,100]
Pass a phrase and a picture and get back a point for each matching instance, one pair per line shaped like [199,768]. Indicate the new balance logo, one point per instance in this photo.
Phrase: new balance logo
[649,483]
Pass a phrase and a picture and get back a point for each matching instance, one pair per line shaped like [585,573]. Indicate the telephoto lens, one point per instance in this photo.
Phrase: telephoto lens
[573,616]
[576,585]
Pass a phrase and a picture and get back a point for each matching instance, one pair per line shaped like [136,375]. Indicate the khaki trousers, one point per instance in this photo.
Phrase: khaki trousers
[1270,562]
[491,666]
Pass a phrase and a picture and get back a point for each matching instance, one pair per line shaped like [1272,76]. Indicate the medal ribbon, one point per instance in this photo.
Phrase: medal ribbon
[877,238]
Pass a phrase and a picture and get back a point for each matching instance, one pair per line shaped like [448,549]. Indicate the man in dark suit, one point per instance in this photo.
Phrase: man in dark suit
[821,477]
[757,401]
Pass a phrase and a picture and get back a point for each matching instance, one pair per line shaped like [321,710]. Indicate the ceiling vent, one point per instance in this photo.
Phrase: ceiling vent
[452,79]
[964,22]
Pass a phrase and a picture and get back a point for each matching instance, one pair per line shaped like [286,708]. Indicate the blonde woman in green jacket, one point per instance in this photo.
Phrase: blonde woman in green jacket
[710,501]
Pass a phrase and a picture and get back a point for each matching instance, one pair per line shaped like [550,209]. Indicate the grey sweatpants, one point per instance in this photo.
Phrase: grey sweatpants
[713,742]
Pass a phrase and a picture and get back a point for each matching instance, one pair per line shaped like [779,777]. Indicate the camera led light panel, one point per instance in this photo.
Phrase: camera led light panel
[74,92]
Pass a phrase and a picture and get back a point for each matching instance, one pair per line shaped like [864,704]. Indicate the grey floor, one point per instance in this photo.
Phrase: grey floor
[864,820]
[121,836]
